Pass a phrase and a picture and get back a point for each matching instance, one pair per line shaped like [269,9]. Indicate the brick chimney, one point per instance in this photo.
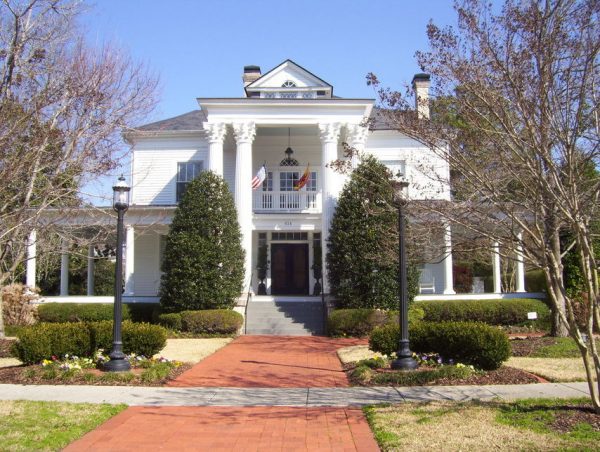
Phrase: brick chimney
[420,84]
[251,73]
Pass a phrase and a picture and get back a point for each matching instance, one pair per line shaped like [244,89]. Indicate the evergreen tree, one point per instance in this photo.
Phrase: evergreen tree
[362,257]
[204,260]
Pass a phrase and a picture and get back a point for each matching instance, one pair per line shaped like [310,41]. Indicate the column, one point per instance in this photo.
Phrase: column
[90,271]
[64,268]
[244,136]
[215,133]
[31,259]
[129,260]
[448,277]
[357,137]
[496,267]
[331,186]
[520,264]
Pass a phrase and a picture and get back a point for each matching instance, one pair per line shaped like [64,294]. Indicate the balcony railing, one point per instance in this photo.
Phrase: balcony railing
[287,201]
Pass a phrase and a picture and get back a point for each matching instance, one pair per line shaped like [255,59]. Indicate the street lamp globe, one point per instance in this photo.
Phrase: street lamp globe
[121,194]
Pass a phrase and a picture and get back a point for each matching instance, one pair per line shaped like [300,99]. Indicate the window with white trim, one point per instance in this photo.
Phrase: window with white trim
[397,167]
[187,172]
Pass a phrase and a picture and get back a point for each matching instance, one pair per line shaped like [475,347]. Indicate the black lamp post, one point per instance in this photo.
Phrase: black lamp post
[118,361]
[404,359]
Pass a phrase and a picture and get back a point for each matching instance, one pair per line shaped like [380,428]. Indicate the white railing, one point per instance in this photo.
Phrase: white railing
[287,201]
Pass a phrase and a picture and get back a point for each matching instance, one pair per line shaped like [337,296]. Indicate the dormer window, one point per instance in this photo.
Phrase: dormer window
[288,84]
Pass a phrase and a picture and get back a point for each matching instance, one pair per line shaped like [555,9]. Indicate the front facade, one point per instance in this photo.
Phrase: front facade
[290,122]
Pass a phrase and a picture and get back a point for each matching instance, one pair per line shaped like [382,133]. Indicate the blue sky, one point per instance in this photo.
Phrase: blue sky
[199,47]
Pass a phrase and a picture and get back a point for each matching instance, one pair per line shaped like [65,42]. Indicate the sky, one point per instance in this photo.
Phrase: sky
[198,48]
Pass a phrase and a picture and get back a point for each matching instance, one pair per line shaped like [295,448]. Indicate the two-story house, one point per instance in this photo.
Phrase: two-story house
[288,120]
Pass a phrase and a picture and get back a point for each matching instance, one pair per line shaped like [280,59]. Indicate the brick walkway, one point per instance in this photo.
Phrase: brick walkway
[272,362]
[247,362]
[231,429]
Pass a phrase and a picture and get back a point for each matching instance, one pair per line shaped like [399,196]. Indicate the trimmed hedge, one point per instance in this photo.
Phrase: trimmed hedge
[361,322]
[512,311]
[44,340]
[208,321]
[94,312]
[481,345]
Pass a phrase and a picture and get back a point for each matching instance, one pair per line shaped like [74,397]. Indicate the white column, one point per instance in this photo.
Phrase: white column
[448,277]
[496,267]
[244,135]
[520,264]
[331,186]
[31,259]
[90,271]
[216,134]
[357,137]
[129,260]
[64,268]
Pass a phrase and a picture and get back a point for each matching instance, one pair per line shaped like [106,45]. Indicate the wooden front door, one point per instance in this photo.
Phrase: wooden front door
[289,269]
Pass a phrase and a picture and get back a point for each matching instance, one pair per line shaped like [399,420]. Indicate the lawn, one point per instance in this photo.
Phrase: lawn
[48,425]
[526,425]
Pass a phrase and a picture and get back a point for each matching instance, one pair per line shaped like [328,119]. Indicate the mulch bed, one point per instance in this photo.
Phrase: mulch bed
[503,376]
[528,346]
[567,417]
[17,375]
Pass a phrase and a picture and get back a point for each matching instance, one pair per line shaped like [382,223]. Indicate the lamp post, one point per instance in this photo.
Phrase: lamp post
[118,361]
[404,359]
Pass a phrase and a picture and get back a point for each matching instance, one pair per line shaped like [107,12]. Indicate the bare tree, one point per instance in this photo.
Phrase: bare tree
[516,118]
[63,107]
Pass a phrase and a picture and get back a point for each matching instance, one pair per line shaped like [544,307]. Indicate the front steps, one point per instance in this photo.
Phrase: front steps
[285,316]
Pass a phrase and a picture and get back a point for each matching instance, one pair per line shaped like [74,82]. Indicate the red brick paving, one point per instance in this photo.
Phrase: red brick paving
[232,429]
[272,362]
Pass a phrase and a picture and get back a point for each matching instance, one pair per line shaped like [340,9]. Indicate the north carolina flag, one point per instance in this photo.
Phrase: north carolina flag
[303,180]
[259,178]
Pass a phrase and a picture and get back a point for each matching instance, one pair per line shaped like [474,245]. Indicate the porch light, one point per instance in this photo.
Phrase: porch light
[121,194]
[404,359]
[289,160]
[118,361]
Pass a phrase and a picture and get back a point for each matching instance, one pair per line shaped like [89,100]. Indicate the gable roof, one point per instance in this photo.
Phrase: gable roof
[267,74]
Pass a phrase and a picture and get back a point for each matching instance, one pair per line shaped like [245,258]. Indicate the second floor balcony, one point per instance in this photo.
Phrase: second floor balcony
[286,201]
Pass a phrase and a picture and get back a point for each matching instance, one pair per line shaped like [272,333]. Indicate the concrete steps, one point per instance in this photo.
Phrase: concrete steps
[285,316]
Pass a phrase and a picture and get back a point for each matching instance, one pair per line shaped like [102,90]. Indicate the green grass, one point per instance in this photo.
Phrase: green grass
[539,414]
[26,426]
[565,347]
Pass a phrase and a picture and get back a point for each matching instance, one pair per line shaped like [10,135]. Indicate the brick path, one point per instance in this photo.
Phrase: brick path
[272,362]
[247,362]
[232,429]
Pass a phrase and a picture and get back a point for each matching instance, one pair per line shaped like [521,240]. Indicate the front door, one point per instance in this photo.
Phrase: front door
[289,269]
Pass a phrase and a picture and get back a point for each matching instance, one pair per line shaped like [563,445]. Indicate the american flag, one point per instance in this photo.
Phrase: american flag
[259,178]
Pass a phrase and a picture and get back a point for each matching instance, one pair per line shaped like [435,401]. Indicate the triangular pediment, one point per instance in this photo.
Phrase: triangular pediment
[289,75]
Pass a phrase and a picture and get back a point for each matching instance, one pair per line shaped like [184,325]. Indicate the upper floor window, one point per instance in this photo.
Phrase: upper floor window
[186,172]
[288,95]
[288,84]
[397,167]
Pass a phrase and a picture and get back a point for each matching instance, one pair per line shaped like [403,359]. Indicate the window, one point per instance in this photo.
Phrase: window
[287,179]
[289,236]
[268,182]
[288,95]
[269,95]
[311,185]
[288,84]
[397,167]
[186,172]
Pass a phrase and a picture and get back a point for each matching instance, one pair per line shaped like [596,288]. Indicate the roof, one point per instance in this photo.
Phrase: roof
[257,81]
[382,119]
[190,121]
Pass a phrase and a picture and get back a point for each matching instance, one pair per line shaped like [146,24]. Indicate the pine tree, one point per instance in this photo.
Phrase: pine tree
[204,259]
[362,257]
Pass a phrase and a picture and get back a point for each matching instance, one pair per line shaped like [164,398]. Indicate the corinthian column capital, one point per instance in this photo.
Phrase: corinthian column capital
[356,134]
[215,131]
[329,132]
[244,132]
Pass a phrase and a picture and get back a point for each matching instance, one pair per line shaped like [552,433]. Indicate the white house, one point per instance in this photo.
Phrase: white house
[285,108]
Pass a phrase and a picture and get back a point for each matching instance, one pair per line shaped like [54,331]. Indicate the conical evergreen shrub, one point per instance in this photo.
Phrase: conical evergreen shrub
[362,256]
[204,260]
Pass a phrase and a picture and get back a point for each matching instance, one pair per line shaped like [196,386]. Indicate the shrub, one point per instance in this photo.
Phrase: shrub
[44,340]
[204,259]
[171,321]
[78,312]
[473,343]
[361,322]
[211,321]
[16,305]
[362,257]
[535,281]
[512,311]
